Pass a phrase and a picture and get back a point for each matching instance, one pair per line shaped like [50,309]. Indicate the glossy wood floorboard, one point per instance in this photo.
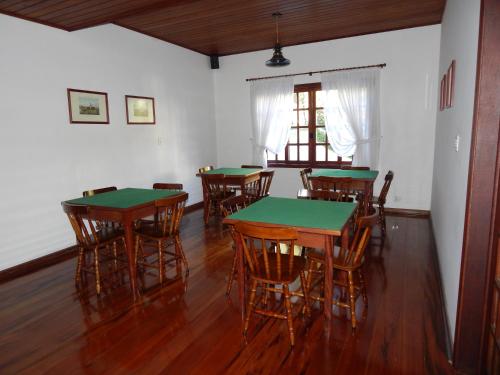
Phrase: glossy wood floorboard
[189,326]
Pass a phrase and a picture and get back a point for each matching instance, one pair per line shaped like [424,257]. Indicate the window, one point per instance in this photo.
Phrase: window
[307,143]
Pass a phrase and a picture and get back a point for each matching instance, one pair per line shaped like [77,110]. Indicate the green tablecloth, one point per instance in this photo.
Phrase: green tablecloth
[234,171]
[124,198]
[298,213]
[353,173]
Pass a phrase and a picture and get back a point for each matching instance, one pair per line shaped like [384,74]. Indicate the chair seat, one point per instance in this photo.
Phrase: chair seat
[151,230]
[299,264]
[318,256]
[106,235]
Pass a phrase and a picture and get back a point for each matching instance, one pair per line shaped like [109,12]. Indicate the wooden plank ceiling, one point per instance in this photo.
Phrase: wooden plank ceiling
[224,27]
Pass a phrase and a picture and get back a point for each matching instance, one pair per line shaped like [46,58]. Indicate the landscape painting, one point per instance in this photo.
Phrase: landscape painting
[88,107]
[140,110]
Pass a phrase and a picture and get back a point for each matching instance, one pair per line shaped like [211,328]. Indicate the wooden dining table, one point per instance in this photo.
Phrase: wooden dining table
[362,181]
[318,224]
[237,178]
[125,206]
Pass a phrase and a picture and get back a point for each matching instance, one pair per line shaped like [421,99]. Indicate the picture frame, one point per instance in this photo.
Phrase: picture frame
[442,96]
[88,107]
[450,85]
[140,110]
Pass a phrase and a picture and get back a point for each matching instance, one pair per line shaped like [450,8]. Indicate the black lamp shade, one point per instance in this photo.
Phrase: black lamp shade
[278,59]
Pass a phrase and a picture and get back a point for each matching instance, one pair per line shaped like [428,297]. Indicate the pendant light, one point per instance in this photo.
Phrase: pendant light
[278,59]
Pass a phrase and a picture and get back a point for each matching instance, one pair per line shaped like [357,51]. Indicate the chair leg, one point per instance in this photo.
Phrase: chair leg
[305,291]
[352,299]
[97,272]
[160,261]
[180,252]
[115,255]
[78,274]
[381,213]
[231,275]
[363,287]
[251,306]
[289,318]
[206,209]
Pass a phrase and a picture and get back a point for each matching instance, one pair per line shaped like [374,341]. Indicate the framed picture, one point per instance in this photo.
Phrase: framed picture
[88,107]
[442,92]
[140,110]
[450,85]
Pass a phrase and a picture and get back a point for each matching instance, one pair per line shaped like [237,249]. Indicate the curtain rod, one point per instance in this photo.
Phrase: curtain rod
[318,71]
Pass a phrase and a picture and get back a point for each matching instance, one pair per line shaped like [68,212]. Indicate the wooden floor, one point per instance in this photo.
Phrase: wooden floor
[190,327]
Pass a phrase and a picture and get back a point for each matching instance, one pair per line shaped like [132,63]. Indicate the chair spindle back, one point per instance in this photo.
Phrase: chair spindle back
[262,248]
[252,166]
[206,169]
[89,193]
[170,212]
[304,175]
[385,189]
[364,225]
[167,186]
[80,218]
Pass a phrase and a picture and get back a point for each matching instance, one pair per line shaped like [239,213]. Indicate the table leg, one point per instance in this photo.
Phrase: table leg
[132,269]
[328,277]
[241,280]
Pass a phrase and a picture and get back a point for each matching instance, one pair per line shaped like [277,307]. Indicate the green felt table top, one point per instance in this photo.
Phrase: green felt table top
[124,198]
[234,171]
[353,173]
[298,213]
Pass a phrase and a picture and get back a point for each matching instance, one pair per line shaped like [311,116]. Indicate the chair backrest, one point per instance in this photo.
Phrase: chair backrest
[260,243]
[354,255]
[233,204]
[266,177]
[89,193]
[170,211]
[214,184]
[385,189]
[80,218]
[206,169]
[304,176]
[325,195]
[252,166]
[167,186]
[355,168]
[341,185]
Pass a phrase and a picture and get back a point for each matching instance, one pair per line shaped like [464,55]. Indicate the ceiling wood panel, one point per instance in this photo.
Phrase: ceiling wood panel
[223,27]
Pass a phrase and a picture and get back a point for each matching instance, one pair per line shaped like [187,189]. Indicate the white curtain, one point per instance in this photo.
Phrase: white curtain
[272,109]
[352,114]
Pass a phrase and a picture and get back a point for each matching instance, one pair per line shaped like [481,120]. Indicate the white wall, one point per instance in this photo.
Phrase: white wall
[459,41]
[408,104]
[45,160]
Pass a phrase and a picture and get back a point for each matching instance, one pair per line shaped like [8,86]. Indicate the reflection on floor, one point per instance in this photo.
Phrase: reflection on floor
[189,326]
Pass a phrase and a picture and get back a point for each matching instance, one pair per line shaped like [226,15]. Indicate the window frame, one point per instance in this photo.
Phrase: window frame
[311,88]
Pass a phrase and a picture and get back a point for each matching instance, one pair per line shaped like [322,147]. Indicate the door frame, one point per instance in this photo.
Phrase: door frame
[478,241]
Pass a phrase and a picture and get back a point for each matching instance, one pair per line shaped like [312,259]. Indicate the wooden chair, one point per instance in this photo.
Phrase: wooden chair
[323,195]
[380,201]
[266,178]
[304,176]
[167,186]
[89,193]
[91,240]
[355,168]
[214,191]
[340,185]
[348,261]
[163,233]
[268,267]
[252,166]
[100,223]
[205,169]
[230,206]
